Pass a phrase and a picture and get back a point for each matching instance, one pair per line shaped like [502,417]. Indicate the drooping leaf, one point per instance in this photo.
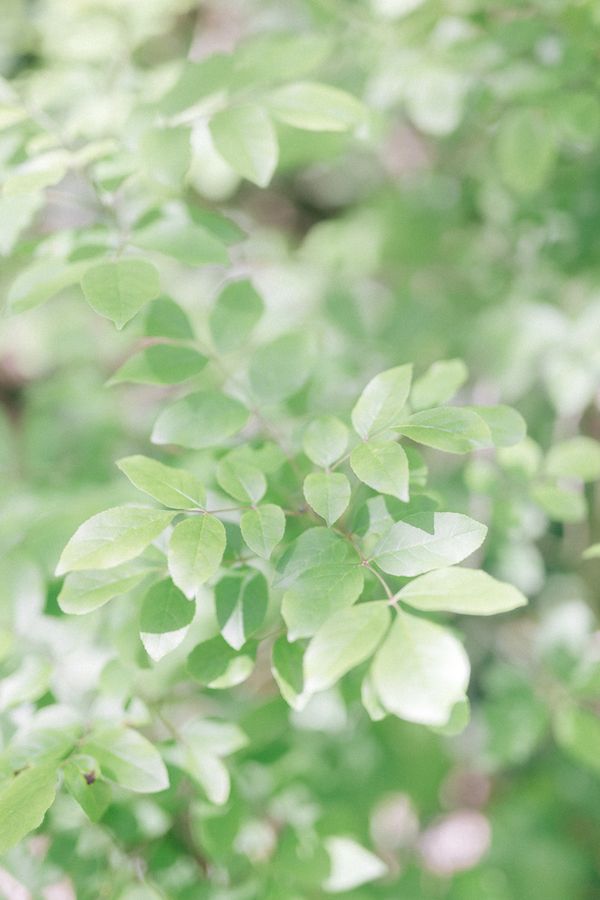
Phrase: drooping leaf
[345,640]
[164,620]
[241,603]
[216,664]
[328,493]
[24,800]
[287,668]
[202,419]
[381,403]
[112,537]
[427,541]
[172,487]
[325,440]
[420,671]
[458,590]
[245,138]
[263,528]
[83,592]
[195,552]
[118,290]
[382,465]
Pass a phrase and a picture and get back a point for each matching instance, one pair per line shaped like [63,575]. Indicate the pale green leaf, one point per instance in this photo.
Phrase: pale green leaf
[280,369]
[83,592]
[240,480]
[381,403]
[426,541]
[263,528]
[128,759]
[439,383]
[195,552]
[317,594]
[82,780]
[43,279]
[457,590]
[382,465]
[165,619]
[118,290]
[160,364]
[328,493]
[184,241]
[346,639]
[325,440]
[526,149]
[244,136]
[560,503]
[202,419]
[24,800]
[450,428]
[237,310]
[578,457]
[316,107]
[112,537]
[351,865]
[241,601]
[216,664]
[507,426]
[420,671]
[287,669]
[172,487]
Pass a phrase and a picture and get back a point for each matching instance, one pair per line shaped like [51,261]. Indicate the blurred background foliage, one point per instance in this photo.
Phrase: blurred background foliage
[461,220]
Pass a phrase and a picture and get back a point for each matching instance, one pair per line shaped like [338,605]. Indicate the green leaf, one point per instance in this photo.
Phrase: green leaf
[196,81]
[237,310]
[578,457]
[578,732]
[439,383]
[240,480]
[328,493]
[202,419]
[315,107]
[83,782]
[314,547]
[281,368]
[241,603]
[43,279]
[175,488]
[182,240]
[118,290]
[244,136]
[263,528]
[317,594]
[420,671]
[160,364]
[217,665]
[526,149]
[287,669]
[560,504]
[83,592]
[24,800]
[468,591]
[426,541]
[164,620]
[208,770]
[195,552]
[382,401]
[128,759]
[345,640]
[592,552]
[507,427]
[164,155]
[166,319]
[382,465]
[325,440]
[112,537]
[450,428]
[351,865]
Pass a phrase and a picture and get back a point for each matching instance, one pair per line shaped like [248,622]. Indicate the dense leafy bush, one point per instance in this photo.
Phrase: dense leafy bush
[299,381]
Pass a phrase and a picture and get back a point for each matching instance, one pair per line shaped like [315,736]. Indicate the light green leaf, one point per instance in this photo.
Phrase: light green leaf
[328,493]
[202,419]
[164,154]
[280,369]
[208,770]
[468,591]
[314,547]
[240,480]
[118,290]
[439,383]
[165,619]
[263,528]
[351,865]
[318,593]
[160,364]
[237,310]
[24,800]
[560,504]
[315,107]
[171,487]
[166,319]
[128,759]
[507,427]
[215,664]
[83,782]
[83,592]
[420,671]
[382,465]
[195,552]
[43,279]
[450,428]
[526,149]
[345,640]
[184,241]
[245,138]
[382,401]
[112,537]
[578,457]
[426,541]
[287,669]
[578,732]
[592,552]
[325,440]
[241,601]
